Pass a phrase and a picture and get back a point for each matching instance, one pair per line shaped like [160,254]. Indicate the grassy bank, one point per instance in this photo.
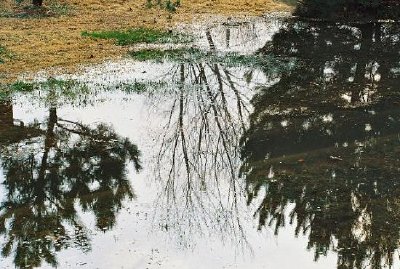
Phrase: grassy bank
[57,41]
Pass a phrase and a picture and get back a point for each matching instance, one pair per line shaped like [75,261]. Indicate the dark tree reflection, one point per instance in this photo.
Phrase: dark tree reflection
[322,150]
[59,168]
[10,129]
[349,10]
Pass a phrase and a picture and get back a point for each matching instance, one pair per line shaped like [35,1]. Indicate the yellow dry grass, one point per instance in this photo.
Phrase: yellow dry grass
[56,42]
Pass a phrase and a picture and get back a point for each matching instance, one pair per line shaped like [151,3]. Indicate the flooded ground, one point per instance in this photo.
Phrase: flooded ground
[276,145]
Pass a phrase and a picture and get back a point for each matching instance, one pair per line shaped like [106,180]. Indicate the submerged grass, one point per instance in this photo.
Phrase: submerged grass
[68,88]
[140,35]
[193,55]
[21,86]
[8,90]
[171,54]
[140,86]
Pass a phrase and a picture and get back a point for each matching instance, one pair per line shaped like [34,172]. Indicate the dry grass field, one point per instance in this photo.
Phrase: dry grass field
[56,42]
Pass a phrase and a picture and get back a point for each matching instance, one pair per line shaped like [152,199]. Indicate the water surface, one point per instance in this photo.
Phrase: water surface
[287,158]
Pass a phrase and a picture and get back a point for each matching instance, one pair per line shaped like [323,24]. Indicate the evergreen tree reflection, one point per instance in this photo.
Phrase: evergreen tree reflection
[323,144]
[51,174]
[349,10]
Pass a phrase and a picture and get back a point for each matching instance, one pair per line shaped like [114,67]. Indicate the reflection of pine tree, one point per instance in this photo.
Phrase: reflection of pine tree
[325,139]
[46,177]
[349,9]
[341,72]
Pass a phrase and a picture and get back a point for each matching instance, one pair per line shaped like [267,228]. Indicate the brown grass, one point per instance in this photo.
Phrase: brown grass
[56,42]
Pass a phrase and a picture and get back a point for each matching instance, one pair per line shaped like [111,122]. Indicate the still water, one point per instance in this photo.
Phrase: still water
[278,148]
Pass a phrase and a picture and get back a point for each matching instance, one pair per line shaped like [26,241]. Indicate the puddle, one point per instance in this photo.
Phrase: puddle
[206,164]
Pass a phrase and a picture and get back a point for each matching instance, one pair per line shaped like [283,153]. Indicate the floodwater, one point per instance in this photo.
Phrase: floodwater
[288,160]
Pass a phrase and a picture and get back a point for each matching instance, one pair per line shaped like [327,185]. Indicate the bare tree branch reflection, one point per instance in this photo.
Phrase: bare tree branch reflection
[198,161]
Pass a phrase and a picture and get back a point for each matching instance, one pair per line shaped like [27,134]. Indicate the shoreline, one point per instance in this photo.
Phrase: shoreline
[56,44]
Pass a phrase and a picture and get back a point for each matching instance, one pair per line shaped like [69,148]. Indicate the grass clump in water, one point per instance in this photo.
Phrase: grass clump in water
[193,55]
[51,83]
[54,88]
[21,86]
[140,35]
[140,86]
[7,90]
[183,54]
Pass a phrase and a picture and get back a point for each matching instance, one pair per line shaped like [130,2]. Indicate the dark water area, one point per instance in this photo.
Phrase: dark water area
[285,154]
[348,10]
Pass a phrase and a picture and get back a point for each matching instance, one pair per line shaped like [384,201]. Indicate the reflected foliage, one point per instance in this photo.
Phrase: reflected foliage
[322,150]
[53,173]
[366,10]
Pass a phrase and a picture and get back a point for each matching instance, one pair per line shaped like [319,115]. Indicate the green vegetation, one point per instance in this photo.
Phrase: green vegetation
[193,55]
[67,88]
[21,86]
[69,91]
[140,87]
[140,35]
[7,90]
[168,4]
[182,54]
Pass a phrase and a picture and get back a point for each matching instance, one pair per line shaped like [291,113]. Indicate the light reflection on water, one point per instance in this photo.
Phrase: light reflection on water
[251,166]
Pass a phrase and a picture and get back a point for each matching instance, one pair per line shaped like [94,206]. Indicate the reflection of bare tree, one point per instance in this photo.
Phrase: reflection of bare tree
[198,159]
[244,36]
